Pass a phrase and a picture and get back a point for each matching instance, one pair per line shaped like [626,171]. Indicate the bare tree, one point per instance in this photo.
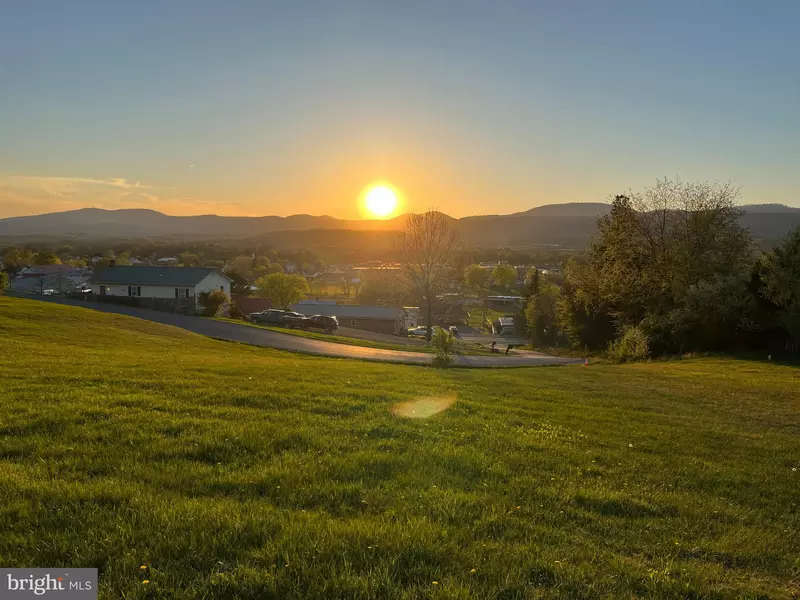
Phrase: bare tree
[425,249]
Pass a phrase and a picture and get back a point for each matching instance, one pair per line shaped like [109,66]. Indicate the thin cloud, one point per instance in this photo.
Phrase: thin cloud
[28,194]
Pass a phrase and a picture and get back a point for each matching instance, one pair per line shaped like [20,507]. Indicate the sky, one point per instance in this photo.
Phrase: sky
[277,108]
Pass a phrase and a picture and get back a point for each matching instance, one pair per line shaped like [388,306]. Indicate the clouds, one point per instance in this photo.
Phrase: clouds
[28,194]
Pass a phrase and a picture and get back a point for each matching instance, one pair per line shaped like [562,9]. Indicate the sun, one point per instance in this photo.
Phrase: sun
[380,201]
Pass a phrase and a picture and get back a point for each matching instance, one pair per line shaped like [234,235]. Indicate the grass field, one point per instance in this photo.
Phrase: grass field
[229,471]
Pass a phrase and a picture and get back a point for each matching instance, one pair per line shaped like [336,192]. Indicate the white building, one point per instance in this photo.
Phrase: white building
[158,282]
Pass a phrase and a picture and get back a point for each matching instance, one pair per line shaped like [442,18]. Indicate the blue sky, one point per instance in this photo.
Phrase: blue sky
[473,107]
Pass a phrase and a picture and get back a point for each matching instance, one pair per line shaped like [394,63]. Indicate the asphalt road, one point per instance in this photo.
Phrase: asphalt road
[281,341]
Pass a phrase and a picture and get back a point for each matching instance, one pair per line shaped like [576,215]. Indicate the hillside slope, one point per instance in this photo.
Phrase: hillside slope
[215,470]
[568,224]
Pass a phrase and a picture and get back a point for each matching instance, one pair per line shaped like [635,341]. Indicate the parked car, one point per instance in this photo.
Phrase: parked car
[421,331]
[281,318]
[328,324]
[453,330]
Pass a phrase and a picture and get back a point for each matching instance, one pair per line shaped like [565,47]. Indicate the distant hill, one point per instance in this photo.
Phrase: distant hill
[770,209]
[564,224]
[569,209]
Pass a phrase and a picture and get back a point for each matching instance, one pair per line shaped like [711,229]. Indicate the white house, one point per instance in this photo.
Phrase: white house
[158,282]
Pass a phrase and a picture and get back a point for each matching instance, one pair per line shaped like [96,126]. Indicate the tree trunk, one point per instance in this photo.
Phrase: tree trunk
[429,305]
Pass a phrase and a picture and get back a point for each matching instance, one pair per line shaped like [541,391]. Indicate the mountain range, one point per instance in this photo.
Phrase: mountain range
[563,224]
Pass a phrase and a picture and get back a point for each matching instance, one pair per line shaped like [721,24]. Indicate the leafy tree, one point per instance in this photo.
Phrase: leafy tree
[504,275]
[582,313]
[239,284]
[426,248]
[476,277]
[650,251]
[188,259]
[243,265]
[533,280]
[282,289]
[46,258]
[212,301]
[320,266]
[541,315]
[781,284]
[3,282]
[76,262]
[15,259]
[655,244]
[123,258]
[718,313]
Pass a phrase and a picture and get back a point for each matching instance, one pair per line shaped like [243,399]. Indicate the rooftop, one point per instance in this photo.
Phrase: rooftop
[180,276]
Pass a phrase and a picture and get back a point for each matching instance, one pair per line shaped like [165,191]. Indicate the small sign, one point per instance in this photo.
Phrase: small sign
[57,584]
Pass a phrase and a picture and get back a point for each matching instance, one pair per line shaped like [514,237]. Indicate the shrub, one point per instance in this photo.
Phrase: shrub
[442,342]
[211,302]
[633,345]
[234,312]
[3,281]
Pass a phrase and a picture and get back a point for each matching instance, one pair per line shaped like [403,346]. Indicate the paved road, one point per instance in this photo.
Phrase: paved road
[282,341]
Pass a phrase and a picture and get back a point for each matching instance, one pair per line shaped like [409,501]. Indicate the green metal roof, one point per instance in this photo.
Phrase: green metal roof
[175,276]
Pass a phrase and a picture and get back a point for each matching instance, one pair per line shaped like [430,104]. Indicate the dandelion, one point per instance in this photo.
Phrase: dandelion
[630,445]
[145,582]
[473,570]
[435,583]
[518,508]
[143,567]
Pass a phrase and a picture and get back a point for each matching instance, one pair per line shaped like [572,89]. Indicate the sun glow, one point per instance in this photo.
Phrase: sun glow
[380,201]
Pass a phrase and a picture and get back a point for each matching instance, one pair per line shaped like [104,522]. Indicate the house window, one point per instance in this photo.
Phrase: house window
[353,322]
[134,290]
[102,290]
[181,292]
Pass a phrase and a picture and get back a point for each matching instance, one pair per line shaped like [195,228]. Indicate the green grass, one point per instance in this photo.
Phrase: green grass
[232,471]
[460,347]
[476,316]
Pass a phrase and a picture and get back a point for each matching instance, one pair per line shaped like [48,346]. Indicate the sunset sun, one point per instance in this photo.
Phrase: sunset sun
[380,201]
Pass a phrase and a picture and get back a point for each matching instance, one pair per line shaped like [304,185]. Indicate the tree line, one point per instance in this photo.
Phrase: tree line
[671,270]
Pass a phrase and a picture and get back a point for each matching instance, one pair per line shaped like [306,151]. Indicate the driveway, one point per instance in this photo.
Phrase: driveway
[281,341]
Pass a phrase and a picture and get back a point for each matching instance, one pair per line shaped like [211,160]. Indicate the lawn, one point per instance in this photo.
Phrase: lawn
[230,471]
